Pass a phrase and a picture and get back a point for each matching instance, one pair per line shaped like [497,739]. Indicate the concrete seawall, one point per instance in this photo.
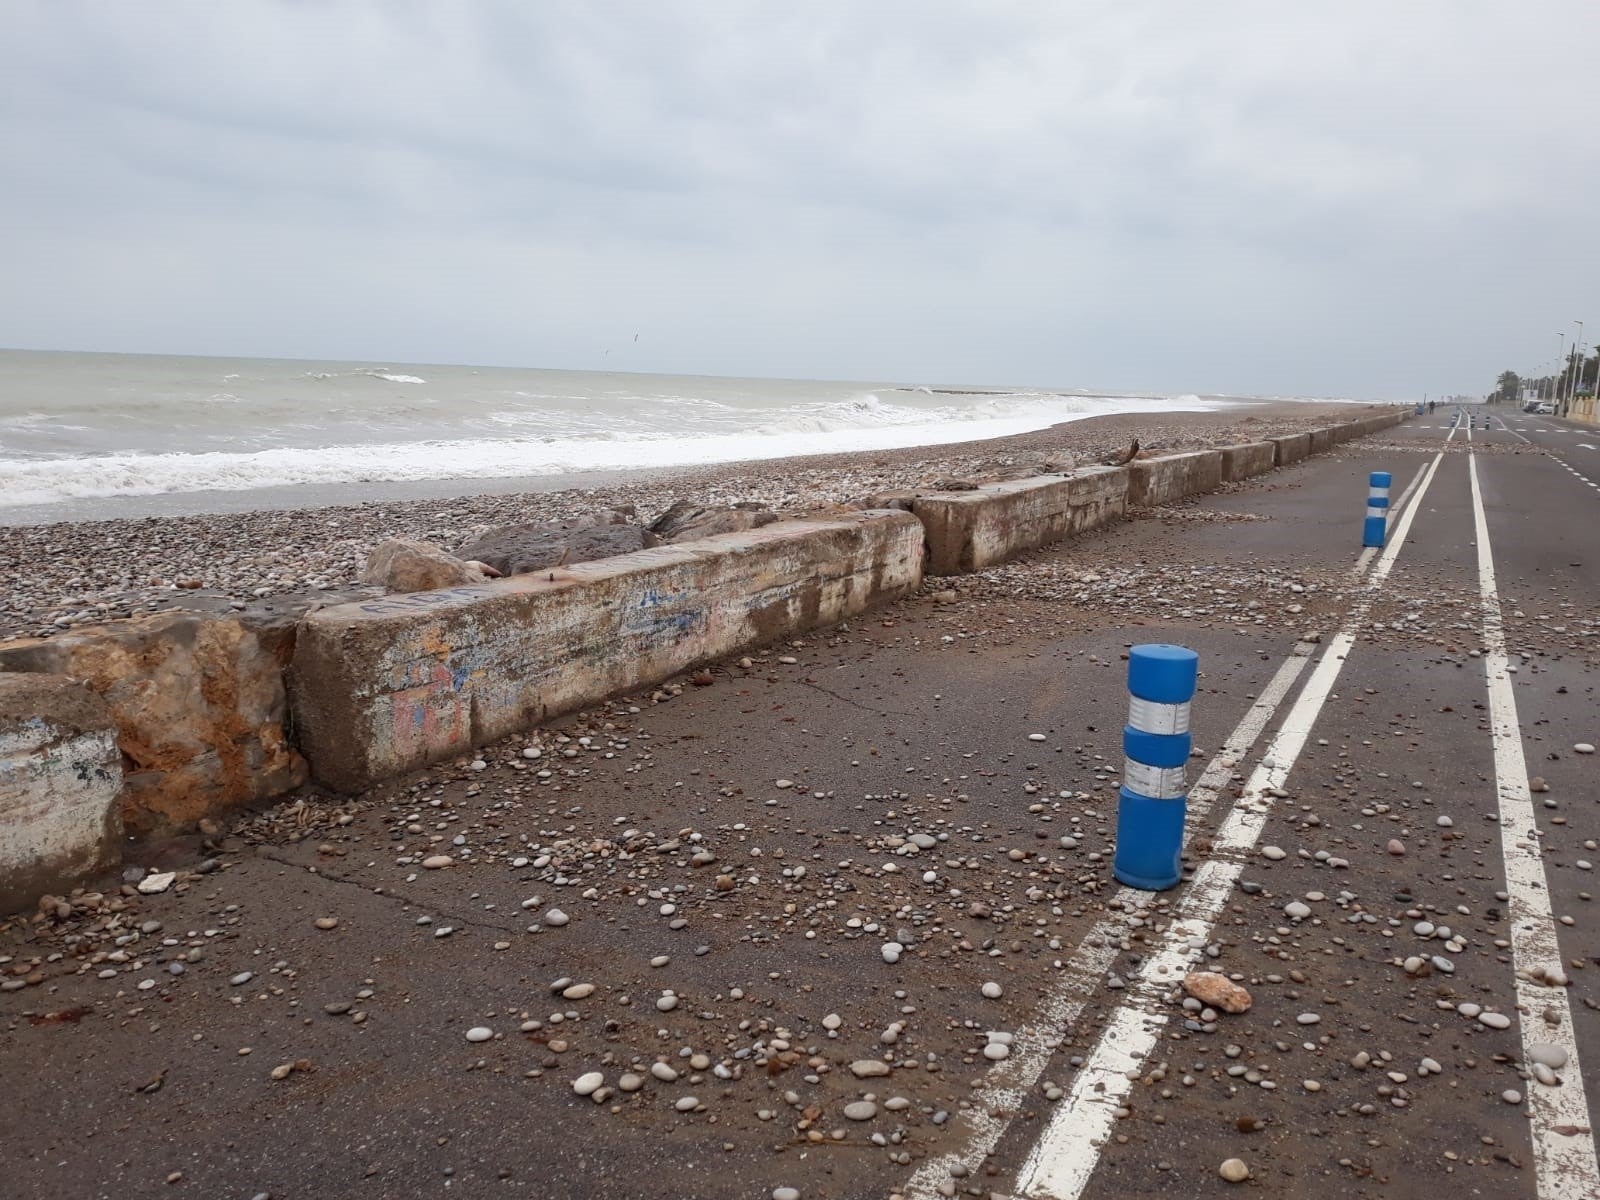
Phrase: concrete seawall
[385,686]
[968,531]
[1153,481]
[1248,460]
[208,715]
[198,702]
[60,816]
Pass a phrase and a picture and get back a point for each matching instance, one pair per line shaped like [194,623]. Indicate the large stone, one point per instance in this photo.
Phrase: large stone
[1153,481]
[60,774]
[199,706]
[968,531]
[387,685]
[686,521]
[520,549]
[401,565]
[1218,991]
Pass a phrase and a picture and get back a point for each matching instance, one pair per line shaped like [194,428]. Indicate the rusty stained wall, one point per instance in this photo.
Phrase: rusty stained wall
[198,702]
[968,531]
[385,686]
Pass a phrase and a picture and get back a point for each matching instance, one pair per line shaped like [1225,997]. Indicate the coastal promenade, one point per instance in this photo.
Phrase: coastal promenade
[836,918]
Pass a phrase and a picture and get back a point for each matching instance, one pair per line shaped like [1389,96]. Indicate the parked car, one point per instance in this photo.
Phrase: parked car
[1531,406]
[1546,409]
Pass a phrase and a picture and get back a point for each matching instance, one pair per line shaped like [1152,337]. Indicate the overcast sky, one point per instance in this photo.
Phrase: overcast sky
[1340,198]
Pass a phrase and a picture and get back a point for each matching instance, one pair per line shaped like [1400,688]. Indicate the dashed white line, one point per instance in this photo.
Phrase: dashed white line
[1563,1141]
[1061,1163]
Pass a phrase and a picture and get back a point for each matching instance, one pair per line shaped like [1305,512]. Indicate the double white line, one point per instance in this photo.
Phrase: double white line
[1563,1141]
[1062,1161]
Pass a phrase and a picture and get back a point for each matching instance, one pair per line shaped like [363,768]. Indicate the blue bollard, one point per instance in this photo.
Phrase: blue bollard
[1376,527]
[1155,746]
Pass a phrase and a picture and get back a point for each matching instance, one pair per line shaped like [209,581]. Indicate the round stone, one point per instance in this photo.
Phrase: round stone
[1444,823]
[663,1072]
[995,1051]
[578,991]
[785,1193]
[1548,1054]
[1396,846]
[1494,1020]
[1274,853]
[992,991]
[326,922]
[667,1002]
[1511,1096]
[686,1103]
[242,978]
[1234,1170]
[630,1082]
[556,917]
[589,1083]
[1584,748]
[1308,1018]
[861,1110]
[892,952]
[479,1033]
[1297,910]
[435,862]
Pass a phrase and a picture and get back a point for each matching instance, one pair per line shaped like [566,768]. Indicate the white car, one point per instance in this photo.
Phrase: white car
[1546,410]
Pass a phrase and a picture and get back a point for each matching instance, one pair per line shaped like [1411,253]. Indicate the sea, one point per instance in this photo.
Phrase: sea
[84,436]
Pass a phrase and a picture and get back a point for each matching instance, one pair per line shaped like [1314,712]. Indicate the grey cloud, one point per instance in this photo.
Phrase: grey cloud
[1236,196]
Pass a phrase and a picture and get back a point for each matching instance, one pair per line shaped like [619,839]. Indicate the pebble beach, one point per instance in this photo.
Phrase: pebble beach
[70,574]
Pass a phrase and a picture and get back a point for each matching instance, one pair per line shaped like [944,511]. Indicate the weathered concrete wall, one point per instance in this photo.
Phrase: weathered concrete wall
[199,705]
[1252,458]
[388,685]
[968,531]
[60,821]
[1153,481]
[1322,440]
[1291,448]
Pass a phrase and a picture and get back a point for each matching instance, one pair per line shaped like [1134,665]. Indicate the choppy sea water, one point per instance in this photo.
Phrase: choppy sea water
[88,427]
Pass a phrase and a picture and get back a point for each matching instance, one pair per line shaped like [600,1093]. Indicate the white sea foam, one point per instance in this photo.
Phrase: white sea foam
[396,378]
[863,423]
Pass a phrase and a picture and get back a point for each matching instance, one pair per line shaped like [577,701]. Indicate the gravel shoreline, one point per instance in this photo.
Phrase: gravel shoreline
[81,573]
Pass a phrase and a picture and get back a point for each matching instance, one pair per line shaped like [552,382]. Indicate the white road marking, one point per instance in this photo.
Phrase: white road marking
[1061,1163]
[1088,964]
[1563,1141]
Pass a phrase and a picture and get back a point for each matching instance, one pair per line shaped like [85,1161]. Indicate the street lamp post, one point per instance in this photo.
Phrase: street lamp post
[1561,366]
[1577,368]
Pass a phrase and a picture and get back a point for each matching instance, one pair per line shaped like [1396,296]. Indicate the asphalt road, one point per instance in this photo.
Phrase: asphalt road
[1346,700]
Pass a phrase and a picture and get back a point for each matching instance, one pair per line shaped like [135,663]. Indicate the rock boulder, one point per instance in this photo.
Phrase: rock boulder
[519,549]
[399,565]
[686,521]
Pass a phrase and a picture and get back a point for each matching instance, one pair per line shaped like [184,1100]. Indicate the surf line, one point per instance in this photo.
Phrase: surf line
[1563,1140]
[1081,974]
[1061,1162]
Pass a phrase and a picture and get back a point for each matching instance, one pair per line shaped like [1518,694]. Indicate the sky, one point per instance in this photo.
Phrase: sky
[1361,199]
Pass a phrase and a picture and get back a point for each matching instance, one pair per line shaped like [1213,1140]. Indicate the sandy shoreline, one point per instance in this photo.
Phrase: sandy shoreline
[84,572]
